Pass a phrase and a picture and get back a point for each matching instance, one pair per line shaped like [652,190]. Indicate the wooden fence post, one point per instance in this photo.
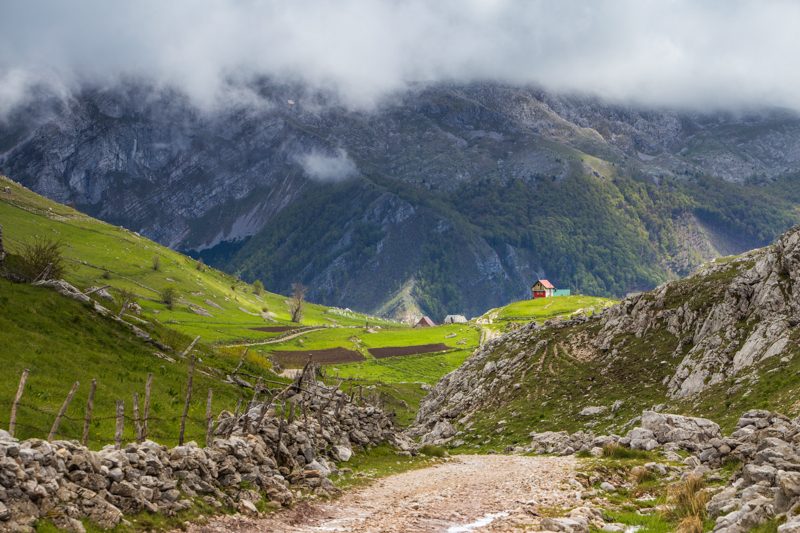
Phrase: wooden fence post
[147,387]
[189,348]
[120,424]
[87,420]
[12,424]
[136,422]
[60,415]
[209,418]
[188,400]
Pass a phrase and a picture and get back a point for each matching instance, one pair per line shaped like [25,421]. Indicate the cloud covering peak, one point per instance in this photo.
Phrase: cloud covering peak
[686,53]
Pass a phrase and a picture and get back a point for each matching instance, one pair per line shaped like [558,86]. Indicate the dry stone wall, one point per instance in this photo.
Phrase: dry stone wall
[253,456]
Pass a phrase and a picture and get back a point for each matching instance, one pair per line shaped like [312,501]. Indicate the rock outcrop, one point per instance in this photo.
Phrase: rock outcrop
[252,456]
[144,157]
[765,444]
[724,321]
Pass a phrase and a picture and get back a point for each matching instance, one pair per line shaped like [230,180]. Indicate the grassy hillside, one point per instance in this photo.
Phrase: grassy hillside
[540,310]
[62,341]
[101,254]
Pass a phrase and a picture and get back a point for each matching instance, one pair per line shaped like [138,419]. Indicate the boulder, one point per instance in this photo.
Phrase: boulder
[683,430]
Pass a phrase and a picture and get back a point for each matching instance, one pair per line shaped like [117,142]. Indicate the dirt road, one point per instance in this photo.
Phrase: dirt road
[467,493]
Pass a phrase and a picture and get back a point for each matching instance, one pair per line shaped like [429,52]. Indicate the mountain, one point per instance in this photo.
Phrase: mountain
[715,344]
[445,199]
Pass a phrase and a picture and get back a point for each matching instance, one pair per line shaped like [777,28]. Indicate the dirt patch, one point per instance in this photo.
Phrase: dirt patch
[297,358]
[392,351]
[274,329]
[515,491]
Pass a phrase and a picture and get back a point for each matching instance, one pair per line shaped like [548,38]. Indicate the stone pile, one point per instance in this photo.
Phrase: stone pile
[768,484]
[563,443]
[766,444]
[252,456]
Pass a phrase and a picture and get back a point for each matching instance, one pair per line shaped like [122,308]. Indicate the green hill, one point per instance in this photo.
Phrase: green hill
[513,315]
[62,340]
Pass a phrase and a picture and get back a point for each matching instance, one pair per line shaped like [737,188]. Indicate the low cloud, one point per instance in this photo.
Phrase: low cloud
[321,166]
[720,53]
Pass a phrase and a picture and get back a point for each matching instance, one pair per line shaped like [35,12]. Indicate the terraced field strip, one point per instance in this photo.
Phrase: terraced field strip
[298,358]
[394,351]
[276,340]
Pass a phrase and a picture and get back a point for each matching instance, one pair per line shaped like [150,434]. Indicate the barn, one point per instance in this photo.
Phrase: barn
[542,289]
[425,322]
[455,319]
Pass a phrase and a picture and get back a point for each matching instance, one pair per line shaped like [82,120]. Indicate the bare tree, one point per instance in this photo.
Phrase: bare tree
[298,301]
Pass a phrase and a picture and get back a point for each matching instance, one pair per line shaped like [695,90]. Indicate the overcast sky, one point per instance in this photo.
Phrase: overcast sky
[671,52]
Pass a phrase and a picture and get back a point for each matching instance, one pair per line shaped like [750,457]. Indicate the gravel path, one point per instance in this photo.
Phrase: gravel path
[467,493]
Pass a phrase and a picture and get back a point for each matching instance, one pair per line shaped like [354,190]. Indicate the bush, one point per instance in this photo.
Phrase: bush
[433,451]
[258,287]
[616,451]
[168,297]
[689,501]
[42,259]
[156,263]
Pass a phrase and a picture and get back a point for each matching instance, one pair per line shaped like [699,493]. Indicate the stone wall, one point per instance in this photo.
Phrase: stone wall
[252,457]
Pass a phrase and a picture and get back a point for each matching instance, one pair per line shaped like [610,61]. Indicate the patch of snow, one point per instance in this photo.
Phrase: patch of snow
[480,522]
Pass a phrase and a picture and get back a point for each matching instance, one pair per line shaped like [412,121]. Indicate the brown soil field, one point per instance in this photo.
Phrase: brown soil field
[297,358]
[392,351]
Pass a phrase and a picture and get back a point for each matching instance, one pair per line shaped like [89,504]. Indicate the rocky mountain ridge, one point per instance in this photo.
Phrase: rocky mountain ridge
[726,336]
[446,199]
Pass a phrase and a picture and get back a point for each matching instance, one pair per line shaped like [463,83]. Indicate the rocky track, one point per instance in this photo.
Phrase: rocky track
[484,492]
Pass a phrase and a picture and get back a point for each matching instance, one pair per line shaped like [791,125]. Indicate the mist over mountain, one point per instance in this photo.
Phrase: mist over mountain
[410,157]
[448,198]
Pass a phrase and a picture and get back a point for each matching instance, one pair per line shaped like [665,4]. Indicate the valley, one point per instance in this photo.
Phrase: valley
[379,406]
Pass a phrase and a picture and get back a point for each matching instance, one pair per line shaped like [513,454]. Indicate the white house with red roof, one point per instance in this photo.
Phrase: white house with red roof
[542,289]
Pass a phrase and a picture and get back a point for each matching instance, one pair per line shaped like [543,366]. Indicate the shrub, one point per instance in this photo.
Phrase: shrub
[433,451]
[640,474]
[616,451]
[689,501]
[42,259]
[169,296]
[690,524]
[156,263]
[258,287]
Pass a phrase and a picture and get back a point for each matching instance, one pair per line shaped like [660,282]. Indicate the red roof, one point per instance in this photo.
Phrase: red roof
[546,284]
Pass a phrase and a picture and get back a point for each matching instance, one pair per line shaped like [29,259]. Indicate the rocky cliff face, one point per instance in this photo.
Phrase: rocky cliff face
[449,198]
[725,336]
